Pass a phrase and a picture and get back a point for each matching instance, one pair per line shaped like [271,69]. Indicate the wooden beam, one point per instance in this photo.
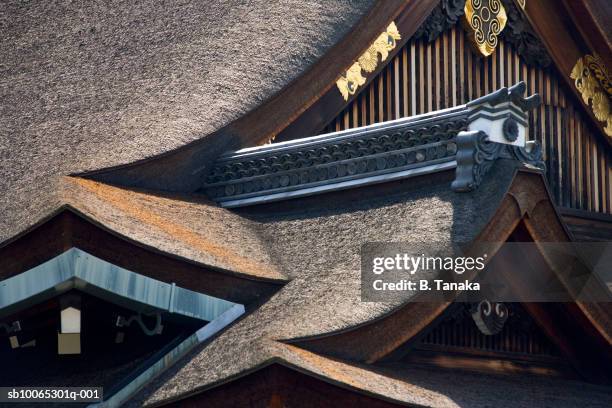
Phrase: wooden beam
[554,25]
[410,15]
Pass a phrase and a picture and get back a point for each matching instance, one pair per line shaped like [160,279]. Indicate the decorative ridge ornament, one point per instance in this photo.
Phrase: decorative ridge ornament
[517,32]
[469,138]
[374,154]
[593,81]
[486,19]
[502,114]
[514,94]
[368,61]
[497,128]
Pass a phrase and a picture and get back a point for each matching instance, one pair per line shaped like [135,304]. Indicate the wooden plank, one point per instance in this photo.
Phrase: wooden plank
[470,71]
[396,88]
[571,158]
[322,105]
[608,182]
[447,88]
[437,83]
[429,81]
[602,181]
[387,90]
[381,99]
[405,81]
[454,66]
[371,105]
[582,14]
[355,115]
[554,26]
[421,65]
[566,156]
[413,79]
[587,172]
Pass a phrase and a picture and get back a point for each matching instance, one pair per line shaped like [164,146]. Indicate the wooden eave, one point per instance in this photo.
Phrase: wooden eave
[569,32]
[583,14]
[554,23]
[280,383]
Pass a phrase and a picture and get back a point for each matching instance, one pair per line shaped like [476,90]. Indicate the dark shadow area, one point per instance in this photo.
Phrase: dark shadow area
[104,360]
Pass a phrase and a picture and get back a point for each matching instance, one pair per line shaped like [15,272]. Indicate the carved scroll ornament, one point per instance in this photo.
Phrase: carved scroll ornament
[489,317]
[485,20]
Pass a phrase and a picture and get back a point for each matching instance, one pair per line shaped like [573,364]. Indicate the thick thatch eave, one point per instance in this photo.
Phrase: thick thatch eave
[323,302]
[88,86]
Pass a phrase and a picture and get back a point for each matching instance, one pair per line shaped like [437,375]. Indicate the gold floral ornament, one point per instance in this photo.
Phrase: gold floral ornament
[595,64]
[485,20]
[592,80]
[368,61]
[351,80]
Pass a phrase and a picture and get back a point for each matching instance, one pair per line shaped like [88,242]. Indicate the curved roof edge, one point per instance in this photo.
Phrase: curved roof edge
[67,227]
[76,268]
[303,105]
[517,203]
[280,111]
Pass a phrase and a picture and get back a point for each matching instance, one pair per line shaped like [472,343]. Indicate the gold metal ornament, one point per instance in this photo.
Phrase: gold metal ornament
[368,61]
[351,80]
[592,81]
[485,20]
[522,3]
[595,64]
[601,106]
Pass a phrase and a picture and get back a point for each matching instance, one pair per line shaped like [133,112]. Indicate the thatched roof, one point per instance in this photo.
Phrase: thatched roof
[185,226]
[318,246]
[87,86]
[427,387]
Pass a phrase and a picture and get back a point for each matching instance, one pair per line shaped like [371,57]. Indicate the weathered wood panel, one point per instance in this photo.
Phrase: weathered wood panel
[587,226]
[520,336]
[425,76]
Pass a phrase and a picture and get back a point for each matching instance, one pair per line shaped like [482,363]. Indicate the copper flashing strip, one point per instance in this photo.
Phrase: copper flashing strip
[78,269]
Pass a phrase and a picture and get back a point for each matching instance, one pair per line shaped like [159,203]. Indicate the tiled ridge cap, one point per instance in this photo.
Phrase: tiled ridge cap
[378,153]
[340,136]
